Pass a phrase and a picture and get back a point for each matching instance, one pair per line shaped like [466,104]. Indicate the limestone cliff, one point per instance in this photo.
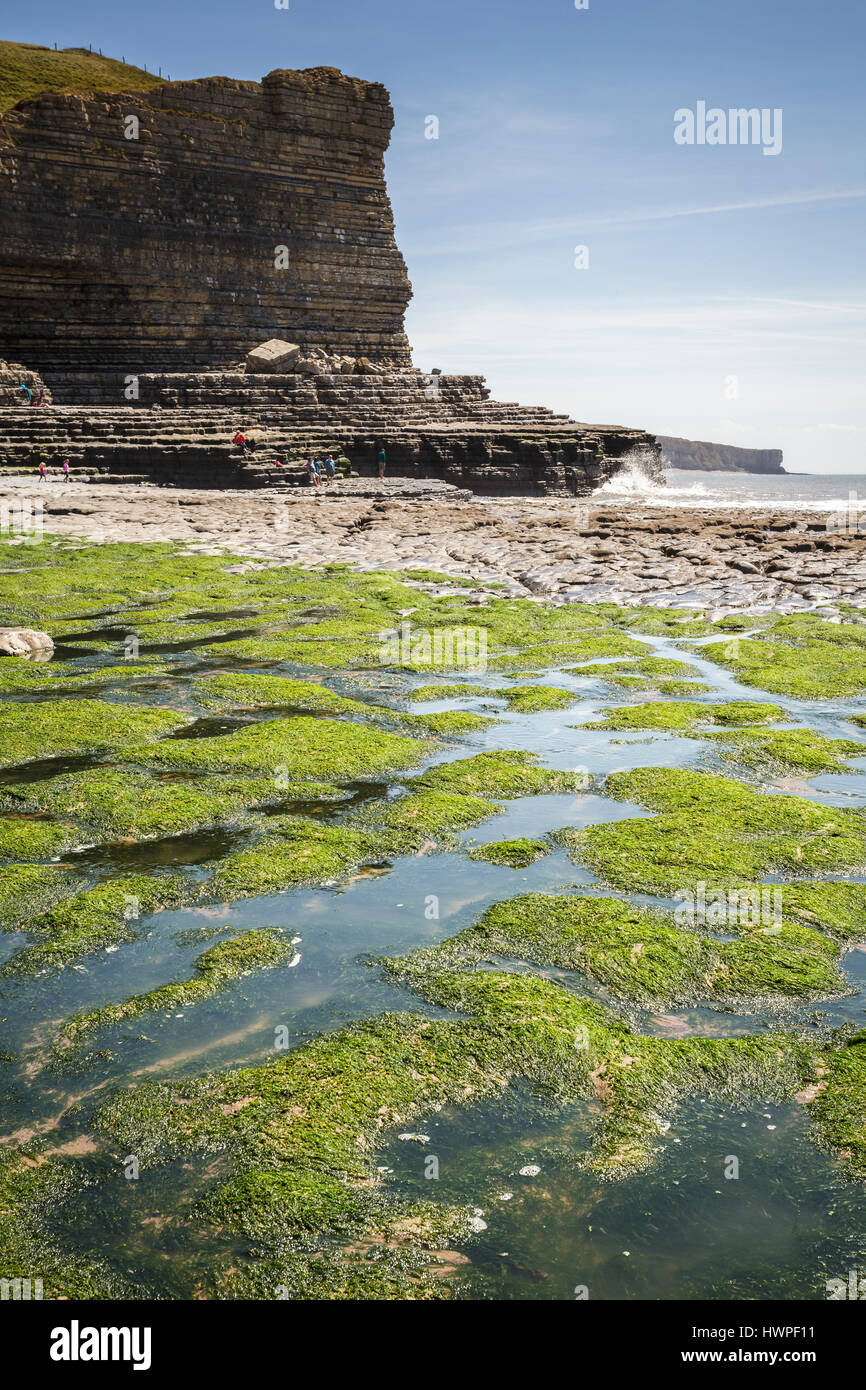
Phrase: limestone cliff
[698,455]
[142,230]
[150,238]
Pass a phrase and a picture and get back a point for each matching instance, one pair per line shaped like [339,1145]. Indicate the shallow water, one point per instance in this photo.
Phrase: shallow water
[681,1230]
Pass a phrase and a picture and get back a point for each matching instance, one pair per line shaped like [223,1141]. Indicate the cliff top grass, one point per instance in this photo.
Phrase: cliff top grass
[27,70]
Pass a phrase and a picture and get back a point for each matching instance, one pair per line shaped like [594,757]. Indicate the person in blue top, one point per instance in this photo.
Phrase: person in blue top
[380,460]
[330,469]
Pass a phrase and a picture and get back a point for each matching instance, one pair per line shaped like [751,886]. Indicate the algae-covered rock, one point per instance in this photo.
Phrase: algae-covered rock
[105,915]
[641,956]
[685,717]
[28,889]
[714,830]
[509,774]
[516,854]
[297,748]
[295,851]
[121,802]
[800,655]
[224,963]
[51,728]
[24,838]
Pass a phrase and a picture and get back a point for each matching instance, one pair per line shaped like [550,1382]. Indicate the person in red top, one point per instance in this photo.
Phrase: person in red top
[42,471]
[240,440]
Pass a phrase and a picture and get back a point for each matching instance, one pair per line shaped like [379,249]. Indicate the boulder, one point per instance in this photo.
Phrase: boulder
[275,355]
[23,641]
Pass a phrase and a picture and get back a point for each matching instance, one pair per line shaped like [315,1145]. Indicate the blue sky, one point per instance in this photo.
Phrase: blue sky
[724,295]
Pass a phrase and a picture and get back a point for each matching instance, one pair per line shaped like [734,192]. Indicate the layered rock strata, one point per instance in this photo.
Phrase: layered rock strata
[181,226]
[157,247]
[703,457]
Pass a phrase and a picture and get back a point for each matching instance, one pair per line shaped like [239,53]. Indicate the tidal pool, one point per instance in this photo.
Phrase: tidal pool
[347,1113]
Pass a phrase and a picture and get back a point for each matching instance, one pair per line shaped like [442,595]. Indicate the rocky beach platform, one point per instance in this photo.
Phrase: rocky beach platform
[557,548]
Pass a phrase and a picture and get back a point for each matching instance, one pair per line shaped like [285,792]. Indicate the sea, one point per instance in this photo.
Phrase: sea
[799,492]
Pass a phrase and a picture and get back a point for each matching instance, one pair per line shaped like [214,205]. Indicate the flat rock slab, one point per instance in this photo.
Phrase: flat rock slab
[558,549]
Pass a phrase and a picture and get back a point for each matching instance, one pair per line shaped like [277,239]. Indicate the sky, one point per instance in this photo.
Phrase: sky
[719,292]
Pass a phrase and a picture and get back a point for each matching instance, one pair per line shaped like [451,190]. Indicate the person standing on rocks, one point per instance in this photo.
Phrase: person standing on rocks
[381,461]
[42,470]
[330,469]
[66,470]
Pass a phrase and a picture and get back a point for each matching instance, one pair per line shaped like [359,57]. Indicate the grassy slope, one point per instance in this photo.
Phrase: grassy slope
[26,70]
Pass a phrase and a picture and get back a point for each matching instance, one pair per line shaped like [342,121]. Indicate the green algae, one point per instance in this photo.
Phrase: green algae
[34,1186]
[301,747]
[714,830]
[124,803]
[324,1108]
[642,956]
[529,699]
[837,1105]
[23,838]
[526,699]
[296,1195]
[26,890]
[446,691]
[837,908]
[254,689]
[516,854]
[259,949]
[296,851]
[673,716]
[788,750]
[800,655]
[409,821]
[588,647]
[510,773]
[357,648]
[49,728]
[425,576]
[452,722]
[98,918]
[779,750]
[647,673]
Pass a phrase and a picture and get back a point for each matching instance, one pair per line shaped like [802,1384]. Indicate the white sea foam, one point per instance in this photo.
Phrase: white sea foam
[818,492]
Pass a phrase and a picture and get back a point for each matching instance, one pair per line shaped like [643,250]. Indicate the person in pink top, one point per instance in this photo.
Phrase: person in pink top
[42,471]
[66,470]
